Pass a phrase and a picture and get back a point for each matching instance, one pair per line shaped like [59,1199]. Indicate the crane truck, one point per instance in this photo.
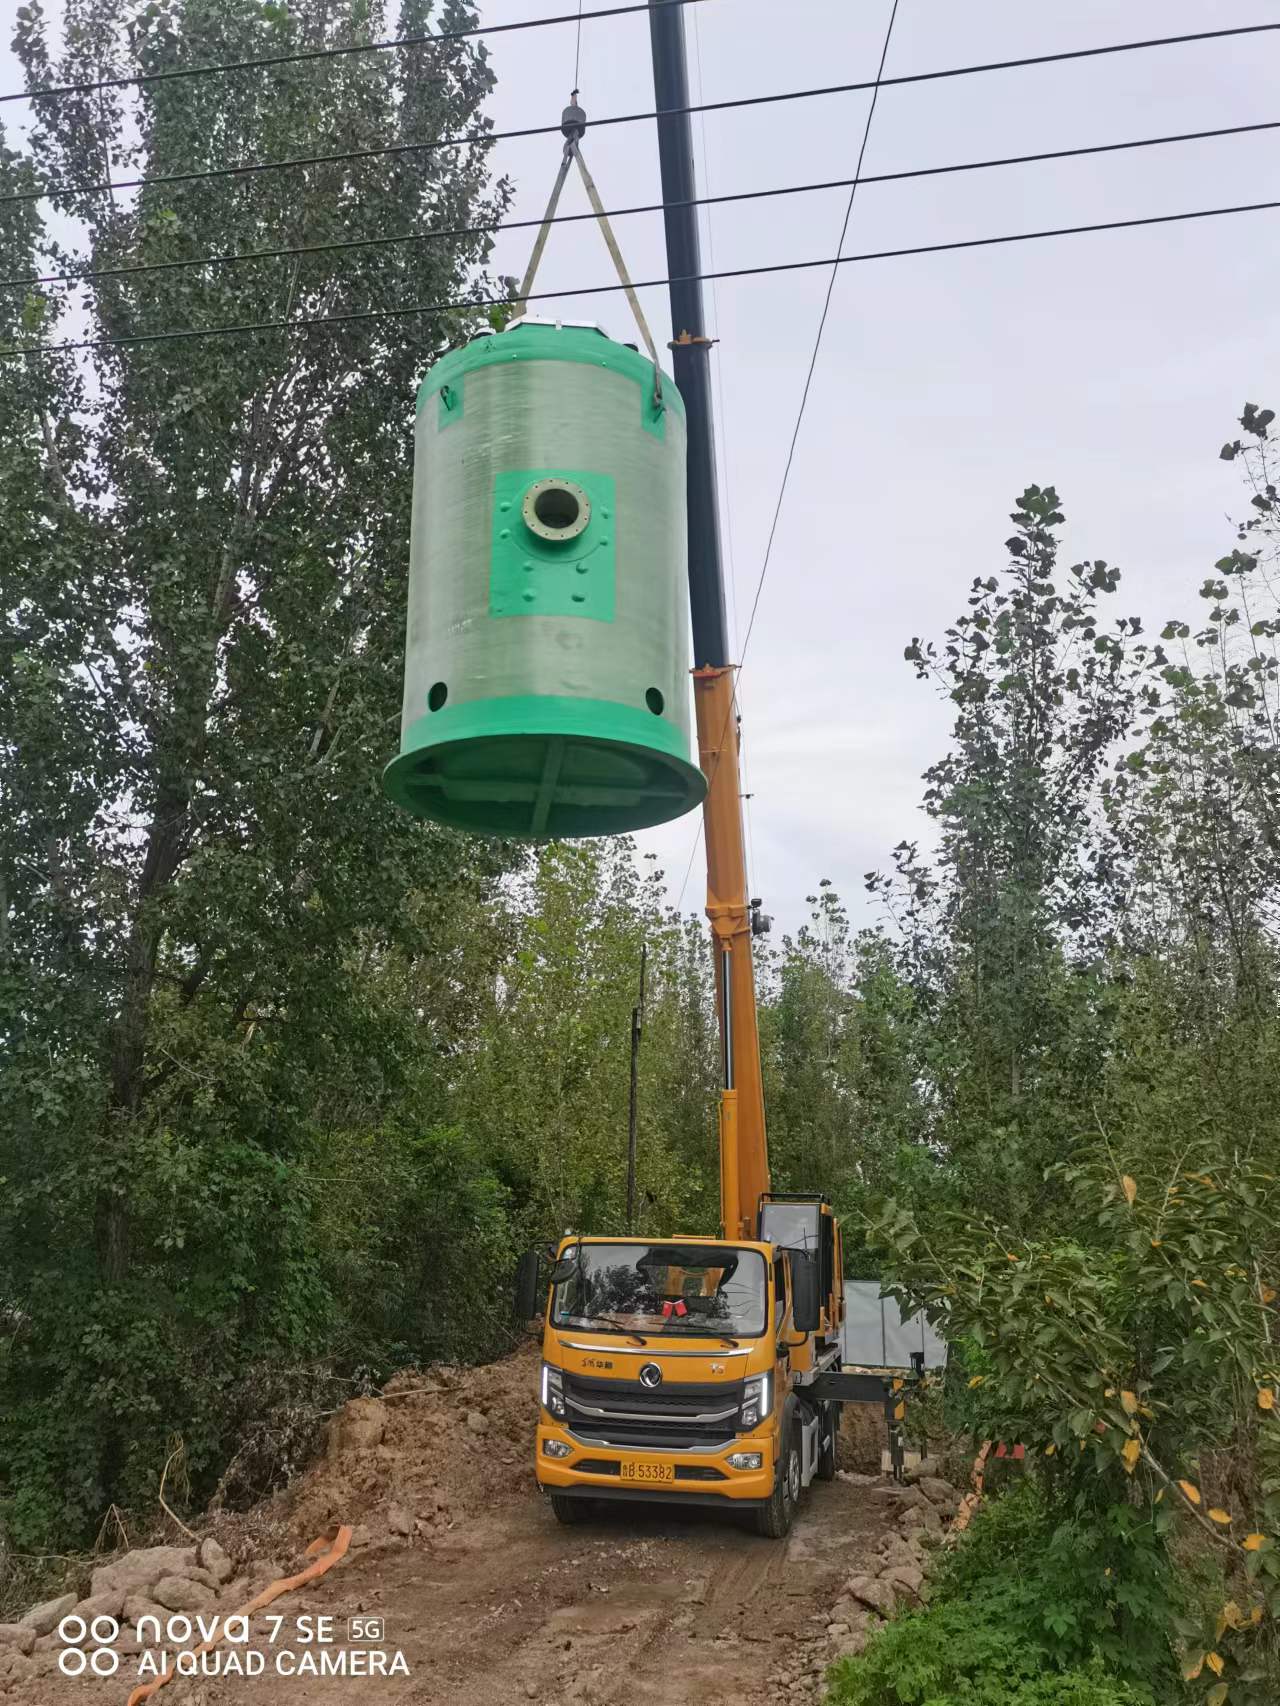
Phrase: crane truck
[692,1369]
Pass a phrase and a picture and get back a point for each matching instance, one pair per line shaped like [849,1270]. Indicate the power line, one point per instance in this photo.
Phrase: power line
[817,342]
[469,139]
[146,77]
[455,232]
[480,302]
[804,400]
[485,137]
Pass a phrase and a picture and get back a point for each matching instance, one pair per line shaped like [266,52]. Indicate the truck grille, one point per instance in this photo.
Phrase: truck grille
[677,1417]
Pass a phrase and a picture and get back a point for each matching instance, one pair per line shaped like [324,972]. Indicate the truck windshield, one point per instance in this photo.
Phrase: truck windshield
[687,1289]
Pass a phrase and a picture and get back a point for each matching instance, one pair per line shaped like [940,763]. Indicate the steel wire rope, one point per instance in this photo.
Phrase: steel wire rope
[466,304]
[795,435]
[444,234]
[484,137]
[270,61]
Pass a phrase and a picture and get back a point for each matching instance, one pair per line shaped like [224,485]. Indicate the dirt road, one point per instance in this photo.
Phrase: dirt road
[634,1609]
[487,1600]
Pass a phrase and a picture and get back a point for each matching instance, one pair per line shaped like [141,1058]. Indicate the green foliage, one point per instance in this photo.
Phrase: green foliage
[999,927]
[1091,954]
[288,1079]
[1035,1604]
[970,1654]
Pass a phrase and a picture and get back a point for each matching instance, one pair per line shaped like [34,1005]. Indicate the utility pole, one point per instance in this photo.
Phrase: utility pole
[690,348]
[637,1026]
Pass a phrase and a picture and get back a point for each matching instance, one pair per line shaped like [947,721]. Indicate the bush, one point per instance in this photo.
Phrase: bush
[1038,1605]
[968,1654]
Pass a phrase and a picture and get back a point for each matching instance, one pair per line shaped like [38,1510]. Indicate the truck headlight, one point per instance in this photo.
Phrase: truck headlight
[552,1391]
[555,1448]
[745,1459]
[755,1402]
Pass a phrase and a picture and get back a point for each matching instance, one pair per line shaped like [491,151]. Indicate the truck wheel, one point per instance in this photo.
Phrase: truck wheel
[570,1511]
[774,1519]
[829,1423]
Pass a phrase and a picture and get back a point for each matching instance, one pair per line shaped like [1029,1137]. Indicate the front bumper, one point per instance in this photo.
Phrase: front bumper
[706,1478]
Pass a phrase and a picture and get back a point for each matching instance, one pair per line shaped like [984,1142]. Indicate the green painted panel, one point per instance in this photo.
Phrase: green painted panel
[449,408]
[653,412]
[530,576]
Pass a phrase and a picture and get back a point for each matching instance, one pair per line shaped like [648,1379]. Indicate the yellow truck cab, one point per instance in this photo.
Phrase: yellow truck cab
[678,1370]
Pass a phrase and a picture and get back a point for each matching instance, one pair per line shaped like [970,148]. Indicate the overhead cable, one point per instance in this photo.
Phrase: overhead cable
[475,304]
[732,709]
[483,137]
[459,231]
[275,59]
[817,342]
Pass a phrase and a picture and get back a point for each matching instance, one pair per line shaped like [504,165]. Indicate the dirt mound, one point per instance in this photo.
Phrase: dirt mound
[434,1447]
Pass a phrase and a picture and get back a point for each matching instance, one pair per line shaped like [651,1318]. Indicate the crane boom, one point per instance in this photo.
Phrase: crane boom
[744,1157]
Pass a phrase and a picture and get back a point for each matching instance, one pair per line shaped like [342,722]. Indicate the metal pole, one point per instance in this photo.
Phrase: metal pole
[691,350]
[637,1025]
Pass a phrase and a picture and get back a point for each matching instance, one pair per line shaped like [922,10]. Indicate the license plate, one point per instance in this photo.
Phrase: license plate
[648,1471]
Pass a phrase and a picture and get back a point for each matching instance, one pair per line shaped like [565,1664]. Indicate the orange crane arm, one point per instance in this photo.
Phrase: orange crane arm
[744,1151]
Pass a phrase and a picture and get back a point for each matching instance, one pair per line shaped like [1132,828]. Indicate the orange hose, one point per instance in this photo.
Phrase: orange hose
[970,1502]
[337,1548]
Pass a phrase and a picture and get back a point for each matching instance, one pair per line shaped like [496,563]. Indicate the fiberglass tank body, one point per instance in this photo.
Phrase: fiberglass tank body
[546,660]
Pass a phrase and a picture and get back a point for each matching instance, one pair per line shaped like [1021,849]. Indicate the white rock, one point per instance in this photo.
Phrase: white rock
[44,1619]
[905,1579]
[177,1593]
[477,1422]
[940,1494]
[137,1606]
[213,1558]
[142,1568]
[876,1594]
[19,1635]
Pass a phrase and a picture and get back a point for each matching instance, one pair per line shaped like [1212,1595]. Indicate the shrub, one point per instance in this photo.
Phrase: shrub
[968,1654]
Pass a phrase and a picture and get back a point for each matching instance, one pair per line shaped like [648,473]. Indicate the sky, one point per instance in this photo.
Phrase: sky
[1111,365]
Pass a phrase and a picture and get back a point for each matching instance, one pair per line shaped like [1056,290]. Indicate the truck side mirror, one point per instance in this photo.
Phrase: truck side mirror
[806,1305]
[526,1289]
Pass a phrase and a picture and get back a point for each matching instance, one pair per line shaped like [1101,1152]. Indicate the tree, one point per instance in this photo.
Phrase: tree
[202,580]
[1002,925]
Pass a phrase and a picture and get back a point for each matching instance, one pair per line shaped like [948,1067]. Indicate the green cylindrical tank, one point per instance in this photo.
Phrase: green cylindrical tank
[546,661]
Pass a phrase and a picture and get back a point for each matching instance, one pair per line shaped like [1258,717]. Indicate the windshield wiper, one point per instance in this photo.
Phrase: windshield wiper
[704,1333]
[618,1325]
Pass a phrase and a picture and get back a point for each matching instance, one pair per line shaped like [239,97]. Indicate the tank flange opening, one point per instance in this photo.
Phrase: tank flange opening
[556,510]
[654,700]
[437,695]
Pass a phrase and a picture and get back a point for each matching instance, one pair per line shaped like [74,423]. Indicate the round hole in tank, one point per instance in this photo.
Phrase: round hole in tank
[437,695]
[556,510]
[556,507]
[654,700]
